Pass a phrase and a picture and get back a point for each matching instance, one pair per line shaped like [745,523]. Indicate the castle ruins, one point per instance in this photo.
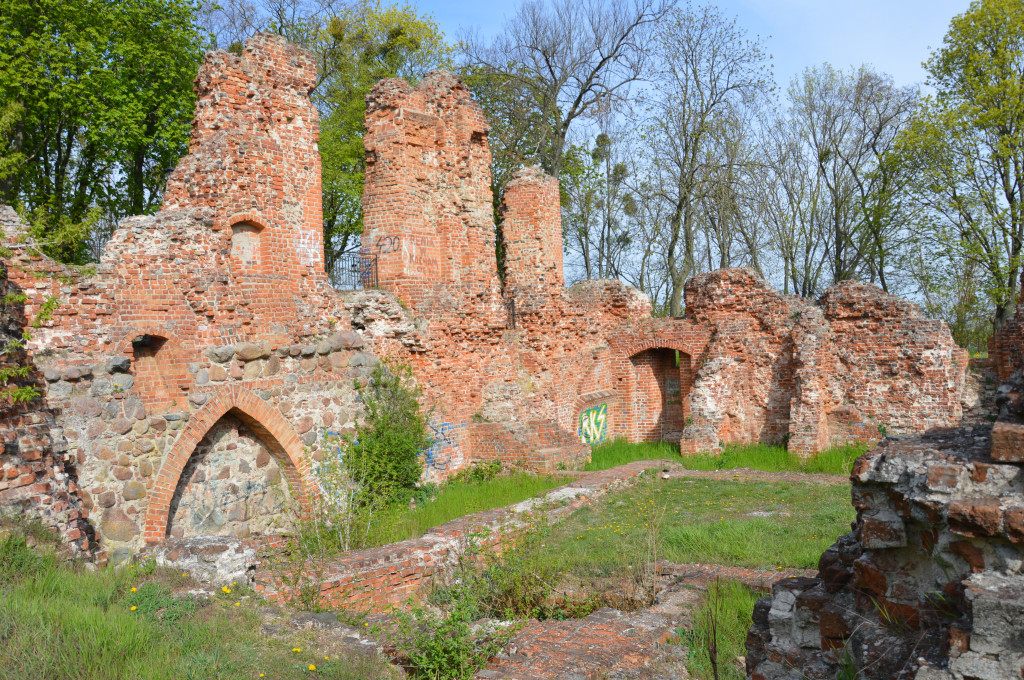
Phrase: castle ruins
[189,377]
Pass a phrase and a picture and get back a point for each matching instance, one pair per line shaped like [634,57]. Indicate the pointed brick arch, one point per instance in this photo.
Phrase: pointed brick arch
[265,421]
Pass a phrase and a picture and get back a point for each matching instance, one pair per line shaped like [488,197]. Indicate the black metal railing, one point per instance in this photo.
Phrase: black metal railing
[354,270]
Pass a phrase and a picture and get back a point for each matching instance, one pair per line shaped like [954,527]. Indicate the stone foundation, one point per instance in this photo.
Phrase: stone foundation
[930,582]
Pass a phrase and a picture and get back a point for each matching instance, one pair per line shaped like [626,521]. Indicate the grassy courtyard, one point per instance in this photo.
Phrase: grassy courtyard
[746,524]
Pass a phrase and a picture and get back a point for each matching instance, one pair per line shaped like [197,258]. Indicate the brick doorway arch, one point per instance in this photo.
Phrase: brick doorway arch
[264,420]
[662,377]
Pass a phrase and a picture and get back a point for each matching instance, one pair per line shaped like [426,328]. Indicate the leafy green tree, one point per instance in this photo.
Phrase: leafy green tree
[105,93]
[966,148]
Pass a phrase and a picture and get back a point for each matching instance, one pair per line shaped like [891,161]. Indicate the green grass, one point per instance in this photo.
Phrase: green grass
[704,521]
[457,498]
[619,452]
[59,620]
[766,457]
[730,607]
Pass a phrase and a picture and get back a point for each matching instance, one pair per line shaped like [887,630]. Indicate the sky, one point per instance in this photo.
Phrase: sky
[893,36]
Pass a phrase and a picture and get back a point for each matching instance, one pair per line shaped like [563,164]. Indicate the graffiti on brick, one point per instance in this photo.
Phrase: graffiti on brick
[594,425]
[306,247]
[388,244]
[444,452]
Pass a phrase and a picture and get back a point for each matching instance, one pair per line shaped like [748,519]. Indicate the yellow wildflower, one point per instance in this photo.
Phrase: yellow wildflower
[312,667]
[296,649]
[134,607]
[134,589]
[237,604]
[226,589]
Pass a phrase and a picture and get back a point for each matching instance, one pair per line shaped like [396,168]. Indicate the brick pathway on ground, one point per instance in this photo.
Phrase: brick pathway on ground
[614,644]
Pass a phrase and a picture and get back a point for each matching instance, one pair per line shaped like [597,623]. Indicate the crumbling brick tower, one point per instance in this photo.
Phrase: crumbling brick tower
[193,371]
[429,218]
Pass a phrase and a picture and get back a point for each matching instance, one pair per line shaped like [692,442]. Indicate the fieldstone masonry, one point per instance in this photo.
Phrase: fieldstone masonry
[190,376]
[930,582]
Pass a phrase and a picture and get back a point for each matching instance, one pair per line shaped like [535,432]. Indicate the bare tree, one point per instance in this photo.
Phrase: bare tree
[708,72]
[575,58]
[832,190]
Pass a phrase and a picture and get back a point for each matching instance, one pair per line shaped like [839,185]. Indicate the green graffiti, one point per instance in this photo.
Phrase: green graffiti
[594,424]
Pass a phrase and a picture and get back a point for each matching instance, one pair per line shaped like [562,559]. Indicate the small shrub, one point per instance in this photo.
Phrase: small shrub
[384,460]
[477,471]
[440,642]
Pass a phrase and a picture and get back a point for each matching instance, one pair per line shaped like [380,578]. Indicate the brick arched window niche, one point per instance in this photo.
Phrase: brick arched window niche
[247,247]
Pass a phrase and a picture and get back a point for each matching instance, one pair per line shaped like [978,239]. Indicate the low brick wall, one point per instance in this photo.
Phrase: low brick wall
[371,580]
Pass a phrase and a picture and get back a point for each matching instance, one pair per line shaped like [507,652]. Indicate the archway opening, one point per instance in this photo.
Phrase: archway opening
[661,394]
[235,483]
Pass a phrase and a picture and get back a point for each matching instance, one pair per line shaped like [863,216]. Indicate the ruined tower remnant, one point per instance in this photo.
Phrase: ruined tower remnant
[253,159]
[427,202]
[190,374]
[531,230]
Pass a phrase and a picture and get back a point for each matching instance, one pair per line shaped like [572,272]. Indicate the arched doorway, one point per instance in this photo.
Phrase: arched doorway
[662,379]
[233,484]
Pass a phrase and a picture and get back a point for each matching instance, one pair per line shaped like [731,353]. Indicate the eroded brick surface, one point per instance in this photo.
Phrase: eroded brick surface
[928,579]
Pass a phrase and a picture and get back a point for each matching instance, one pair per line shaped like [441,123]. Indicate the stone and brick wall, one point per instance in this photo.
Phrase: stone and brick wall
[930,582]
[191,374]
[38,474]
[851,366]
[930,577]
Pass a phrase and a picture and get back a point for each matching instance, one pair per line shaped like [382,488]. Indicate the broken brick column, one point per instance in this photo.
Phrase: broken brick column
[427,209]
[531,231]
[253,158]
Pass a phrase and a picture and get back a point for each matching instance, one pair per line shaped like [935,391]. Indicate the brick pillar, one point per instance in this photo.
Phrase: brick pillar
[427,213]
[253,156]
[532,233]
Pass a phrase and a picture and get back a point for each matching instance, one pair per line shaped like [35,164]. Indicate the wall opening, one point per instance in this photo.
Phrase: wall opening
[661,394]
[246,251]
[155,370]
[233,484]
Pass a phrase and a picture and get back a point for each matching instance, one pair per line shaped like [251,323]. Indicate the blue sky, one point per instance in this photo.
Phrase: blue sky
[894,36]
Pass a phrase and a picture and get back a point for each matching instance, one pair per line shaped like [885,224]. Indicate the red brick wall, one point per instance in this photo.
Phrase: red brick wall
[38,474]
[658,397]
[419,140]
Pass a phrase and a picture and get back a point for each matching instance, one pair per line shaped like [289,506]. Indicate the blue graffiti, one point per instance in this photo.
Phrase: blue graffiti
[444,445]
